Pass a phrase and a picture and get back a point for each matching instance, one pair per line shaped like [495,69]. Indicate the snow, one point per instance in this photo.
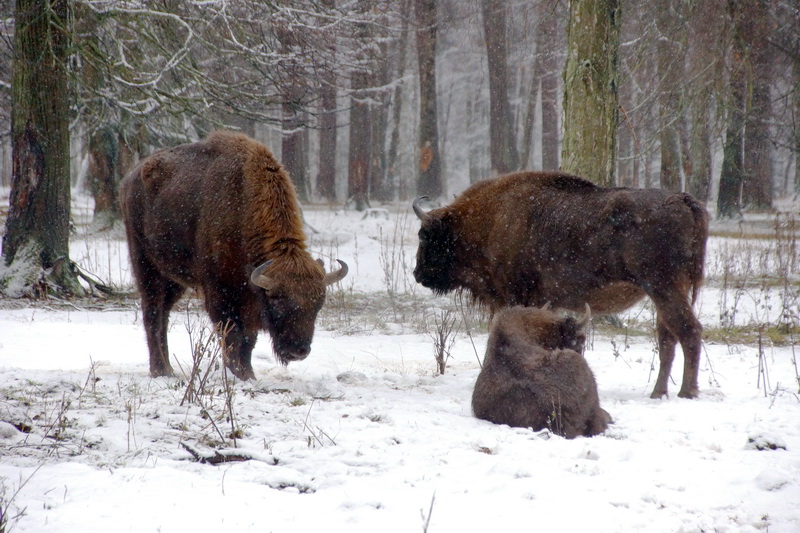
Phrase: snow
[364,435]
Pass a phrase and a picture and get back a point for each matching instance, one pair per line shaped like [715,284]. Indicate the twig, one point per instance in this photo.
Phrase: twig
[217,457]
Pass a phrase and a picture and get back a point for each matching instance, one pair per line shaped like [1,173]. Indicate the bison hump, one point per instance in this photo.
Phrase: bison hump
[565,182]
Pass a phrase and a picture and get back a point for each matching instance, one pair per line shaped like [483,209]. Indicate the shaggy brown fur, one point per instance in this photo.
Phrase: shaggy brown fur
[205,215]
[532,375]
[533,237]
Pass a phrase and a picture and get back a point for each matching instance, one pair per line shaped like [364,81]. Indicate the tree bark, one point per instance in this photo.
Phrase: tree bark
[37,227]
[429,182]
[502,143]
[591,99]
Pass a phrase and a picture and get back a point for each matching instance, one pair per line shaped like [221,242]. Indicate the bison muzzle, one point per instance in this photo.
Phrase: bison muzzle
[529,238]
[222,215]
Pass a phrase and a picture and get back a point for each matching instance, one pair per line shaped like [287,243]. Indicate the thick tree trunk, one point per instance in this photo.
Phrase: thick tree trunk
[429,182]
[590,90]
[37,227]
[502,143]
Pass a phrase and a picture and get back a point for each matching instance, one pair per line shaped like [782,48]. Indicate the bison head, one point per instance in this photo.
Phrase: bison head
[435,254]
[293,300]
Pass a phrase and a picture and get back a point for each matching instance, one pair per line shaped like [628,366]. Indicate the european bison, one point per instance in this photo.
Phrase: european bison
[222,215]
[529,238]
[534,376]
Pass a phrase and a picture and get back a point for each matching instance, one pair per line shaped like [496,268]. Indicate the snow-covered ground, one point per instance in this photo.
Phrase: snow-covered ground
[364,436]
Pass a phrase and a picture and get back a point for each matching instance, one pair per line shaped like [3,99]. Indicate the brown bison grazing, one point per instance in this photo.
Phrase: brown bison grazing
[530,238]
[534,376]
[222,215]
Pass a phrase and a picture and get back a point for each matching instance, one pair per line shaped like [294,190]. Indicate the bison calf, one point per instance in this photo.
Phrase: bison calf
[534,376]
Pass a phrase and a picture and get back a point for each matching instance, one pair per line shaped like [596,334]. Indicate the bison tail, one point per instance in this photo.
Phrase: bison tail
[699,239]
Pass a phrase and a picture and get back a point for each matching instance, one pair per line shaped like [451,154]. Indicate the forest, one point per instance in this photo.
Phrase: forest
[372,101]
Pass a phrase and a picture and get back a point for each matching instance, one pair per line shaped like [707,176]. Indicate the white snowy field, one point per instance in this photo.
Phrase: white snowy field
[364,434]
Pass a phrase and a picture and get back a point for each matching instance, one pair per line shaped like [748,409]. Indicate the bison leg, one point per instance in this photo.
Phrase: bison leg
[157,301]
[676,322]
[666,355]
[158,294]
[238,346]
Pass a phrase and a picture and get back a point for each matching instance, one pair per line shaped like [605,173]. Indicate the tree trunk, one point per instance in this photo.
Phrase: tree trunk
[293,152]
[669,49]
[547,40]
[699,174]
[729,202]
[104,174]
[360,143]
[37,227]
[757,186]
[590,90]
[502,143]
[326,175]
[360,155]
[429,182]
[397,99]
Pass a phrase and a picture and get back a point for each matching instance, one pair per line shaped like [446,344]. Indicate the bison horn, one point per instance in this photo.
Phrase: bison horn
[338,275]
[546,307]
[258,278]
[422,215]
[587,317]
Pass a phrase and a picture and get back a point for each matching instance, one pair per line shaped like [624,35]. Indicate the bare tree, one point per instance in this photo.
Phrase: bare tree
[590,90]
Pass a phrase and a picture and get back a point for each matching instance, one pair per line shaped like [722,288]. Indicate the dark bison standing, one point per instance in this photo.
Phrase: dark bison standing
[534,376]
[222,215]
[530,238]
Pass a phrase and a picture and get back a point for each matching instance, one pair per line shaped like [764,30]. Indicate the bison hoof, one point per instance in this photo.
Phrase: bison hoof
[657,394]
[162,372]
[242,373]
[688,393]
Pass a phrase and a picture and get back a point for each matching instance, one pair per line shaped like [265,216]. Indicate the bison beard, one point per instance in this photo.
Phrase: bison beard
[529,238]
[222,215]
[534,376]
